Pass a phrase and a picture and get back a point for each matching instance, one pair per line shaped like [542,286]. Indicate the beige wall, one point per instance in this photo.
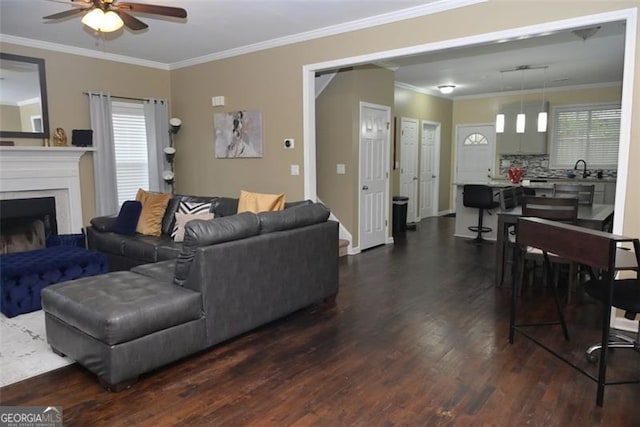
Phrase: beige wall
[70,75]
[417,105]
[337,137]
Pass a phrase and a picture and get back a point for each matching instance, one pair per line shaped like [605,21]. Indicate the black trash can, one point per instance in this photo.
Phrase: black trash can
[400,214]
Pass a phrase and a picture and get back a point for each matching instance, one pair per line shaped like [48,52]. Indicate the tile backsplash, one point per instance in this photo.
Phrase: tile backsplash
[535,165]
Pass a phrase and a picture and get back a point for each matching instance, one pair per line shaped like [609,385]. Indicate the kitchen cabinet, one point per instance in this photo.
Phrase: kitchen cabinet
[529,142]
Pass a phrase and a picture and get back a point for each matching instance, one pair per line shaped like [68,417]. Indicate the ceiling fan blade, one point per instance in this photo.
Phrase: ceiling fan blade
[132,23]
[65,14]
[176,12]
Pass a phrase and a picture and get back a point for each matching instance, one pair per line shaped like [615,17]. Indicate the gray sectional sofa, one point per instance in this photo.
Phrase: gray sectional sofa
[231,274]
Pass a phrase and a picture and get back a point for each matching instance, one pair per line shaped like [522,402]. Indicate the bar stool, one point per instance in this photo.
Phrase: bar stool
[481,198]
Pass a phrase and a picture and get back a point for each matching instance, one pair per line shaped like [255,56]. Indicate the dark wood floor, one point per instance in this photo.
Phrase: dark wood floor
[417,336]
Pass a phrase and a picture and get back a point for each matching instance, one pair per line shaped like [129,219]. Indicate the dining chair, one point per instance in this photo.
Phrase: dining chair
[508,198]
[584,192]
[562,209]
[625,296]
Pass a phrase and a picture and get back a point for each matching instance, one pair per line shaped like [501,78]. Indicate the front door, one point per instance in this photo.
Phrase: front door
[374,174]
[475,153]
[409,165]
[429,169]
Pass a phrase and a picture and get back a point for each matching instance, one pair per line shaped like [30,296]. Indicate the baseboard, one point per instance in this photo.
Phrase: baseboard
[353,250]
[445,212]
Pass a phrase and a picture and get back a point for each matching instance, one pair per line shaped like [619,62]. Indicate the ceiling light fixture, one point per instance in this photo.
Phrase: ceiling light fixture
[98,20]
[446,89]
[521,118]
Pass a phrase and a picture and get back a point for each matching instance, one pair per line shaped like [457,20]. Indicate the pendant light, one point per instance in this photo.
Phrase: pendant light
[500,115]
[542,115]
[521,118]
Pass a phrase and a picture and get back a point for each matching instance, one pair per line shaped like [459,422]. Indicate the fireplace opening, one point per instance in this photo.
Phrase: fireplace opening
[26,224]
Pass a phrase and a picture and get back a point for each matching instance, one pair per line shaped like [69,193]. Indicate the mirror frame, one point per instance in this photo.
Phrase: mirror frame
[43,98]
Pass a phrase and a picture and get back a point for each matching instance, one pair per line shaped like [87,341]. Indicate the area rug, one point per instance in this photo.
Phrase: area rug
[24,351]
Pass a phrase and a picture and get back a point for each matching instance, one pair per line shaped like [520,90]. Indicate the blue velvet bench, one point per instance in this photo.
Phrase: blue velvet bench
[25,274]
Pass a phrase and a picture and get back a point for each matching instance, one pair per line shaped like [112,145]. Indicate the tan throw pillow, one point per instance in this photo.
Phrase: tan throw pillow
[182,219]
[153,207]
[257,202]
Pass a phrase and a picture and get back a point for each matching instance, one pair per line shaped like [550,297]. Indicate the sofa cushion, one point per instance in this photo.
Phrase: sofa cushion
[127,220]
[258,202]
[162,271]
[182,219]
[185,207]
[297,216]
[170,213]
[107,242]
[142,248]
[168,249]
[154,206]
[121,306]
[104,223]
[225,206]
[199,233]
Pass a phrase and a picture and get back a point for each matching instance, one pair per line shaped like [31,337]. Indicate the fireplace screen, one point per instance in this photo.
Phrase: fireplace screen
[25,224]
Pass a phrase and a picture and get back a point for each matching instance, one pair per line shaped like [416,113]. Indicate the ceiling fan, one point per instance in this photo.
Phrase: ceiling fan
[110,15]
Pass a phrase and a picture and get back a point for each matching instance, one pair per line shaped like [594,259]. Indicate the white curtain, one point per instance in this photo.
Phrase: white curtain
[156,117]
[104,163]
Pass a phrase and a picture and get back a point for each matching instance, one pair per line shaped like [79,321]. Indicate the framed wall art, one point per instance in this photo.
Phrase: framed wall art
[238,134]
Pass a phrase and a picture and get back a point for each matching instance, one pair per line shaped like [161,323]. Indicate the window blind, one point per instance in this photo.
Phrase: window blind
[130,142]
[590,132]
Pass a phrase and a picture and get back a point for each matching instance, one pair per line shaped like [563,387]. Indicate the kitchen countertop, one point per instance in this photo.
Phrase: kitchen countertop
[538,182]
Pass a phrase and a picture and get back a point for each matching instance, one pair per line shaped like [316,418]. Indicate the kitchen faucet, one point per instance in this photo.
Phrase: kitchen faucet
[585,173]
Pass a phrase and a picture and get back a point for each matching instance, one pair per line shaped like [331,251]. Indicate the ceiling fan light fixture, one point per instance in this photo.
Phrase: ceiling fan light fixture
[98,20]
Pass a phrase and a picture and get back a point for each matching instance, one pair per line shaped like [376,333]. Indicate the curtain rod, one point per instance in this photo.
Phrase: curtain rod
[123,97]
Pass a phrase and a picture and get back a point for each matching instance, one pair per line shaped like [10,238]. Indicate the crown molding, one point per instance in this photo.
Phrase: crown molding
[56,47]
[386,18]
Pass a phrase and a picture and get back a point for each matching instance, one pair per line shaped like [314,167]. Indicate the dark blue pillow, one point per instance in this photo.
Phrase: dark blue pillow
[127,220]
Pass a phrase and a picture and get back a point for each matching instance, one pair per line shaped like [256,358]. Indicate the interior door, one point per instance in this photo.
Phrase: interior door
[429,169]
[374,174]
[475,153]
[409,165]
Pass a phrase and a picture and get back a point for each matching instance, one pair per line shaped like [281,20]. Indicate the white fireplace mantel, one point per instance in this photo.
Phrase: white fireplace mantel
[27,172]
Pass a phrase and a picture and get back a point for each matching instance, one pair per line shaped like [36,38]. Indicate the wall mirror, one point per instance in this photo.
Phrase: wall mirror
[23,97]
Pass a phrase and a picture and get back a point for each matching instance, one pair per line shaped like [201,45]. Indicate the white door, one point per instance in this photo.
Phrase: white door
[429,169]
[475,153]
[409,165]
[374,174]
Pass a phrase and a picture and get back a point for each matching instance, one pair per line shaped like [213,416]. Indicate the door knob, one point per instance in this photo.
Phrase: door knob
[364,187]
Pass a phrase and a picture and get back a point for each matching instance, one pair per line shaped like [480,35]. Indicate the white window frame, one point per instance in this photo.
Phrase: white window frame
[141,154]
[555,110]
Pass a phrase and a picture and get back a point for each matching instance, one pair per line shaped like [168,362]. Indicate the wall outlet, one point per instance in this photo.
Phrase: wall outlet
[217,101]
[295,169]
[289,143]
[340,169]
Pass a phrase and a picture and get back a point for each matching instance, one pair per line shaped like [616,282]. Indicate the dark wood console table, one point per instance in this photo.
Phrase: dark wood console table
[588,247]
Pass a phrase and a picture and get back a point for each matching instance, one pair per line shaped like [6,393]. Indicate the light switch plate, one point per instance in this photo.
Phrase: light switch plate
[340,169]
[295,170]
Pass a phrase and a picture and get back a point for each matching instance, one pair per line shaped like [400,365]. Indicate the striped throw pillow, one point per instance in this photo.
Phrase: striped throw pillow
[191,208]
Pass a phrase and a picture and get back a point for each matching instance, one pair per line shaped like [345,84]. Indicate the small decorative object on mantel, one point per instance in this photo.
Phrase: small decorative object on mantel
[59,138]
[82,137]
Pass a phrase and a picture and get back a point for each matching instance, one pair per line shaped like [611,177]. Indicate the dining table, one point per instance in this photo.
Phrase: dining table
[595,216]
